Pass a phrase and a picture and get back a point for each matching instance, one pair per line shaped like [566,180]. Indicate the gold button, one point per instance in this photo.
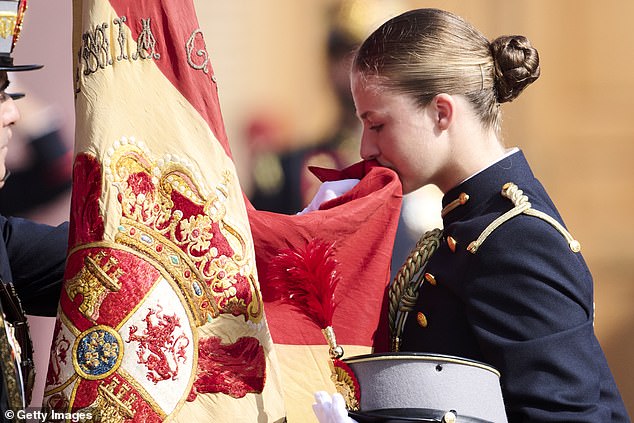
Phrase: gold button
[463,198]
[421,319]
[430,278]
[451,242]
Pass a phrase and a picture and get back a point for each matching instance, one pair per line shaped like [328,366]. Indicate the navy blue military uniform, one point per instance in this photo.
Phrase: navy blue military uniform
[522,302]
[32,257]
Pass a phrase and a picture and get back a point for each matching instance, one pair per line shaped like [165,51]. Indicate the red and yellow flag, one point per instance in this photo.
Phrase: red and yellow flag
[160,314]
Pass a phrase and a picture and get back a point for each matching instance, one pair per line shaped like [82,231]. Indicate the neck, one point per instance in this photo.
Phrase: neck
[470,155]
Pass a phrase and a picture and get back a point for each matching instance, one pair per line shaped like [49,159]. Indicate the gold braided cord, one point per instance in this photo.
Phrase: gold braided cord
[403,291]
[522,206]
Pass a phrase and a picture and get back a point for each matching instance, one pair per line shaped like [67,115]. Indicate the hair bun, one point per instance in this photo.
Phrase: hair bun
[516,66]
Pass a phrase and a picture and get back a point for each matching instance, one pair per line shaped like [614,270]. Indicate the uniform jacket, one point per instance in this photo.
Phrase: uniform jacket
[32,256]
[523,303]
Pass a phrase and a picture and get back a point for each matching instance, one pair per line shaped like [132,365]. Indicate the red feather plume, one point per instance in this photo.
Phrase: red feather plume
[307,280]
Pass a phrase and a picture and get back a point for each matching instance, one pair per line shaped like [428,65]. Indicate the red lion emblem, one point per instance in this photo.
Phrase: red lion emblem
[160,347]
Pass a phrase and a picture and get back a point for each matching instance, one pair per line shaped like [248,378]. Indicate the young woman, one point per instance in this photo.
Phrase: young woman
[508,285]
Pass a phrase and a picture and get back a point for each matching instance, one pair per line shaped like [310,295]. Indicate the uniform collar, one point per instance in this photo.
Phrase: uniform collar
[478,189]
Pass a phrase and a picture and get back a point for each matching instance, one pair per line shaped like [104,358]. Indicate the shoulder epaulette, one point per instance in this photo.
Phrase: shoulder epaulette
[522,206]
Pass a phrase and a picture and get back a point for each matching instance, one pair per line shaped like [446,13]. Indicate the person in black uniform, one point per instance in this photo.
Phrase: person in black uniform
[507,284]
[32,256]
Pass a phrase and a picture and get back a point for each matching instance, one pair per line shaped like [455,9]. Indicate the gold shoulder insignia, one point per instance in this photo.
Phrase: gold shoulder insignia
[522,206]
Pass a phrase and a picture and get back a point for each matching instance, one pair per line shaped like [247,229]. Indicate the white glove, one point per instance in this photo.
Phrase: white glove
[331,409]
[328,191]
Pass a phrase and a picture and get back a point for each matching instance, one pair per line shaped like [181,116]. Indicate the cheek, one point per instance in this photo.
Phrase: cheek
[3,159]
[409,161]
[401,151]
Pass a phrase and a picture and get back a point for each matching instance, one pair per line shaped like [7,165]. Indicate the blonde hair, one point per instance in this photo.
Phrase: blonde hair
[425,52]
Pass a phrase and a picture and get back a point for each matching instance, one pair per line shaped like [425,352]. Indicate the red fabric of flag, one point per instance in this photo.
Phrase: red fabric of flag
[361,226]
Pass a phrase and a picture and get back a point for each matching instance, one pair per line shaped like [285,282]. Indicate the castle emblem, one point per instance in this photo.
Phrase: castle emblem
[97,278]
[115,402]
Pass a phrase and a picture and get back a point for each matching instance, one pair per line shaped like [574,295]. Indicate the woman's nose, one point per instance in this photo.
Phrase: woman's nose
[368,149]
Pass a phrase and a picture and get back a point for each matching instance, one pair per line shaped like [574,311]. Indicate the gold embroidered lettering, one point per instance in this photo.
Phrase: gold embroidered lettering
[191,42]
[146,43]
[121,38]
[95,49]
[96,52]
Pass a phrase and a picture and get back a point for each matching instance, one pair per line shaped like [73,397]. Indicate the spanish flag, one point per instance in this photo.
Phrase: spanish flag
[161,315]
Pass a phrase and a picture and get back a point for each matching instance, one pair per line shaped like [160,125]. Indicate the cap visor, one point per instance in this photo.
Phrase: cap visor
[16,96]
[20,68]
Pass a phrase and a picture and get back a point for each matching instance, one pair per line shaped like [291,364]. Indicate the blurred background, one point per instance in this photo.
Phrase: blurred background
[279,64]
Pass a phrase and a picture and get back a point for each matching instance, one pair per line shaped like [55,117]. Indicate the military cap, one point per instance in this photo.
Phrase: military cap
[11,18]
[420,387]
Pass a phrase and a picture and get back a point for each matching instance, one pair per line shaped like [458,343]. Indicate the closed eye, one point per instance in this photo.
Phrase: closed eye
[376,128]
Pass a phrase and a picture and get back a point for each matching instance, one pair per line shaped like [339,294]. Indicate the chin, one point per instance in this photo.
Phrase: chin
[406,188]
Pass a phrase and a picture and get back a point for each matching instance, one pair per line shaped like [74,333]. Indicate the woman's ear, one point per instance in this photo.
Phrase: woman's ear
[444,108]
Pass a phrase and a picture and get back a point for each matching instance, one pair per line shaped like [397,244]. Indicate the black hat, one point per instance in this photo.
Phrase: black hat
[11,16]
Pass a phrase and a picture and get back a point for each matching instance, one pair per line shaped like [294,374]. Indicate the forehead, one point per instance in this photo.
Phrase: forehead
[372,97]
[366,90]
[363,83]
